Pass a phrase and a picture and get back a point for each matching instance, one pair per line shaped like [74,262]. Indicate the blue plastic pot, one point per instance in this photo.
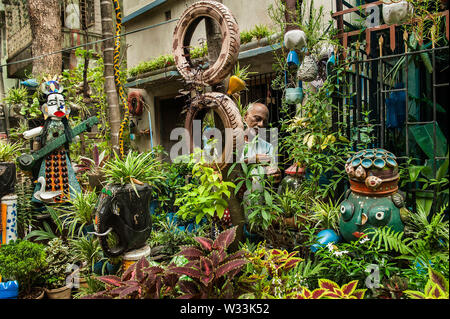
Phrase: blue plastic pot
[294,95]
[324,238]
[9,290]
[292,58]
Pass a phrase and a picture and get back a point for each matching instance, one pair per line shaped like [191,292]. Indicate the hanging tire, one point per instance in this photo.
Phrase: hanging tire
[228,113]
[230,42]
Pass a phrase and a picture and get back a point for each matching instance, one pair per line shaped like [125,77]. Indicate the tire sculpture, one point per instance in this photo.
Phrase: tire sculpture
[229,115]
[230,42]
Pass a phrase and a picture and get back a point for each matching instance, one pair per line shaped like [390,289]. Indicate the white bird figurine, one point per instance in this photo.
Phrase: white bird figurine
[42,195]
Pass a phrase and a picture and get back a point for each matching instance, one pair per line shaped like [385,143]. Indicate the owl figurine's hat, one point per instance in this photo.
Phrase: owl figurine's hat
[373,172]
[52,85]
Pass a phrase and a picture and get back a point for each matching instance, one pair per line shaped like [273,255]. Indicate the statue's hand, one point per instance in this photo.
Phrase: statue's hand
[32,133]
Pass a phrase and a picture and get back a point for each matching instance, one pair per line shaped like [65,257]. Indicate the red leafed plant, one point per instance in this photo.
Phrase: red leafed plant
[210,267]
[139,281]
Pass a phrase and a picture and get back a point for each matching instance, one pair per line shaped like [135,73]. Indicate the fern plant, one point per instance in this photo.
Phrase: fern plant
[387,238]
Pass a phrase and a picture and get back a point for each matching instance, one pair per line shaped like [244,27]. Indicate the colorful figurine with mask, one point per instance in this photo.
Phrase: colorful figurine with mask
[373,199]
[56,181]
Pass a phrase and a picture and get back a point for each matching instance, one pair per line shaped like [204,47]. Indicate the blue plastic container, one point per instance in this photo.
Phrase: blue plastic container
[9,290]
[324,238]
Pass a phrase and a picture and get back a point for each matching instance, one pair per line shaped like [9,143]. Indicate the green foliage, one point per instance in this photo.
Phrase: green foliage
[389,239]
[17,96]
[436,287]
[326,215]
[25,209]
[59,260]
[348,261]
[206,198]
[270,273]
[246,37]
[23,261]
[10,151]
[169,238]
[80,213]
[261,31]
[134,168]
[164,61]
[87,251]
[46,233]
[242,73]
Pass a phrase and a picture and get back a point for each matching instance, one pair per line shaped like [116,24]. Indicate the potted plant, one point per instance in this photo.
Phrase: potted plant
[79,216]
[94,167]
[123,221]
[8,154]
[237,80]
[25,262]
[59,261]
[17,98]
[86,251]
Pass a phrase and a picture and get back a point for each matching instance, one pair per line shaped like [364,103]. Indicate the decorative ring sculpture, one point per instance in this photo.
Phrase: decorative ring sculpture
[230,42]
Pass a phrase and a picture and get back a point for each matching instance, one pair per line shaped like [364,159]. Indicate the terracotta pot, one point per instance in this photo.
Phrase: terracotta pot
[41,295]
[60,293]
[83,283]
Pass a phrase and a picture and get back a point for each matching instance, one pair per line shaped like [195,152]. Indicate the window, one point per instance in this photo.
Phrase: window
[87,12]
[168,15]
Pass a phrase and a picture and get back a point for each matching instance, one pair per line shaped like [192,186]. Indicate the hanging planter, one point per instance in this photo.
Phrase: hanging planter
[235,85]
[237,80]
[295,39]
[397,12]
[308,71]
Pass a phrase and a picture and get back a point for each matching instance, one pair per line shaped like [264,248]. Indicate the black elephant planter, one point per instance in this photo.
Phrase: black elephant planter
[124,211]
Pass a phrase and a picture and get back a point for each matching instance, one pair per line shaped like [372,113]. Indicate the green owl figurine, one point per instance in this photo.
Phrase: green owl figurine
[373,199]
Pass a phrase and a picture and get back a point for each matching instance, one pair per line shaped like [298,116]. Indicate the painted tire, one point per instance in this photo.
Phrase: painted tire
[230,42]
[229,114]
[135,103]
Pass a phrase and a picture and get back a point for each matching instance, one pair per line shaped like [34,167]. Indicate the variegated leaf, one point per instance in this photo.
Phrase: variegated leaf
[111,280]
[318,293]
[328,285]
[190,252]
[349,288]
[229,266]
[225,238]
[359,293]
[190,272]
[206,243]
[438,279]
